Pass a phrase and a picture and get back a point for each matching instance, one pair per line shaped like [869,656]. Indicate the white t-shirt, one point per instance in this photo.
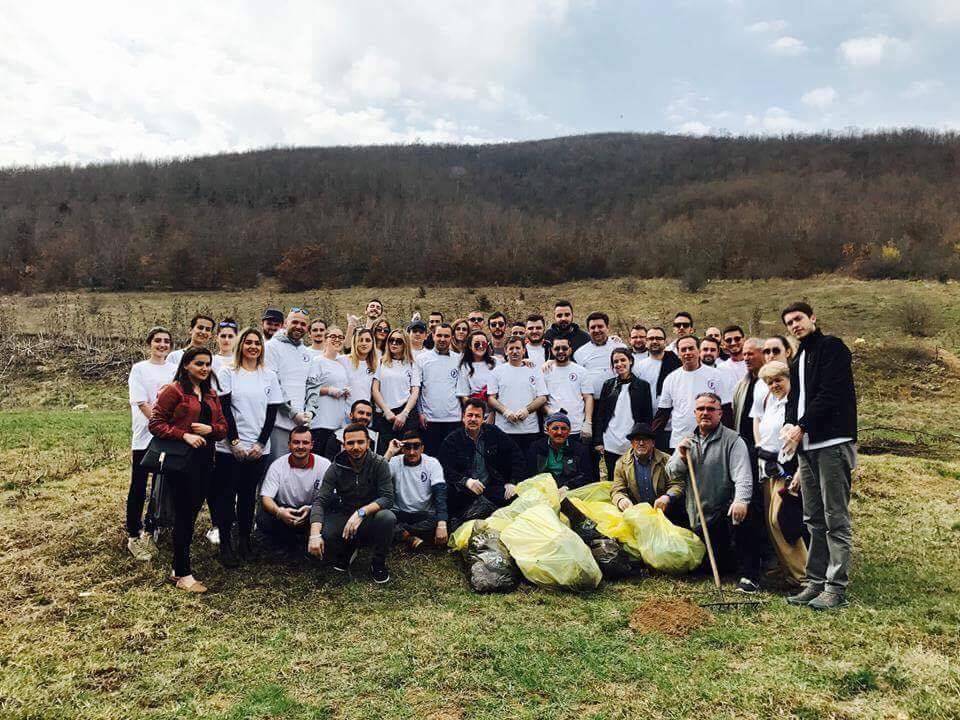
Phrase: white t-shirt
[439,376]
[360,378]
[292,487]
[615,436]
[412,484]
[146,379]
[329,412]
[220,362]
[680,390]
[595,359]
[396,379]
[771,416]
[291,363]
[250,393]
[566,386]
[537,354]
[518,387]
[760,392]
[648,369]
[482,379]
[639,357]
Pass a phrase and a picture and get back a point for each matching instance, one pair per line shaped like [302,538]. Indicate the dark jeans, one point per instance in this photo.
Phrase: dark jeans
[320,438]
[610,459]
[423,524]
[386,431]
[137,495]
[435,434]
[189,490]
[736,547]
[662,443]
[523,441]
[375,531]
[234,489]
[279,534]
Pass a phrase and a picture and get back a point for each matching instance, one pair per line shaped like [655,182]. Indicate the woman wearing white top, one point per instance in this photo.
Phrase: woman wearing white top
[476,370]
[461,329]
[146,379]
[624,400]
[250,395]
[396,389]
[360,364]
[768,416]
[328,391]
[226,343]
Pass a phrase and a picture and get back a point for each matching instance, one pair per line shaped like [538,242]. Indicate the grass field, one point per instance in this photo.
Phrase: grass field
[87,632]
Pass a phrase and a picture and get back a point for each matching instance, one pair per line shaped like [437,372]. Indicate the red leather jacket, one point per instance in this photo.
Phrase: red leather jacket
[175,411]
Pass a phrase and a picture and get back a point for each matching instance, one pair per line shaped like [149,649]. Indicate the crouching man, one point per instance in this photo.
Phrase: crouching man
[640,476]
[420,494]
[352,507]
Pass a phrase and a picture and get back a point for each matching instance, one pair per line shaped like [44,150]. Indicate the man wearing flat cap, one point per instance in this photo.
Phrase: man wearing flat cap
[568,460]
[640,476]
[271,321]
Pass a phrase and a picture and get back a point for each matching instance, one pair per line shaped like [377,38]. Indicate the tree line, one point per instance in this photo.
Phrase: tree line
[872,205]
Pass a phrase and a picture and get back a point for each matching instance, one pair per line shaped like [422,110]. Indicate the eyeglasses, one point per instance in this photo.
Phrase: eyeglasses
[412,445]
[707,409]
[300,310]
[332,336]
[394,341]
[682,325]
[772,351]
[655,337]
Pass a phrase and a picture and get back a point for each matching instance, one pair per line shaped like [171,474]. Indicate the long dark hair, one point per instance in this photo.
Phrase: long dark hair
[466,359]
[183,377]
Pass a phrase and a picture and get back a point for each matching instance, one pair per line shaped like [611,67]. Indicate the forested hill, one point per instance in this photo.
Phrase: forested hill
[882,205]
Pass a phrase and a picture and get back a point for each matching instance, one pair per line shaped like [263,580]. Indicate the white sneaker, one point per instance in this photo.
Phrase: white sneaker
[139,549]
[213,535]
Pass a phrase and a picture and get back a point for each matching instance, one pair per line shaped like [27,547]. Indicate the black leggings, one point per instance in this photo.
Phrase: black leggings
[189,490]
[385,431]
[234,489]
[137,495]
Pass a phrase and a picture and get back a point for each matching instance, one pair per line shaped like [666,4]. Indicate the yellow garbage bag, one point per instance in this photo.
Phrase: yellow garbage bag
[531,497]
[594,492]
[608,519]
[545,483]
[663,546]
[549,553]
[459,539]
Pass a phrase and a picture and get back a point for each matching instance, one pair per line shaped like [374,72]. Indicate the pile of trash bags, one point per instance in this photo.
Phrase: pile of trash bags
[570,543]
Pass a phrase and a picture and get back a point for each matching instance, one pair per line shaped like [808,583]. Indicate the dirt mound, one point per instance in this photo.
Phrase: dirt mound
[668,616]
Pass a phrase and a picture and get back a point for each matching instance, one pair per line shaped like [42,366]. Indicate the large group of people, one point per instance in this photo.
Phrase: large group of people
[307,435]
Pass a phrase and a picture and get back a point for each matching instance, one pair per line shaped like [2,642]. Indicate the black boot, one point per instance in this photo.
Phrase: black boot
[228,558]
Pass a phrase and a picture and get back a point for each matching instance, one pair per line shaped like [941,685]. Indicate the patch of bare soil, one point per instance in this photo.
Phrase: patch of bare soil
[673,617]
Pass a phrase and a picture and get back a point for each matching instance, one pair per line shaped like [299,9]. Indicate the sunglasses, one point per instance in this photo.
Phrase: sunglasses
[227,325]
[475,319]
[682,324]
[300,310]
[732,340]
[497,323]
[772,351]
[412,445]
[382,331]
[394,341]
[479,344]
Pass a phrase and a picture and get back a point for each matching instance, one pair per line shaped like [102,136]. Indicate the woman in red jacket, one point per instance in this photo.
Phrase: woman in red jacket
[188,410]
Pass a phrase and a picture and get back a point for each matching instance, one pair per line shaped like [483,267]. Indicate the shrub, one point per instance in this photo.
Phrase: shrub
[694,278]
[483,303]
[917,317]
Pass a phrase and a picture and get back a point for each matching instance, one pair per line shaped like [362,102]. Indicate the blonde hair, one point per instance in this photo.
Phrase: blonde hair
[774,369]
[406,357]
[371,356]
[238,349]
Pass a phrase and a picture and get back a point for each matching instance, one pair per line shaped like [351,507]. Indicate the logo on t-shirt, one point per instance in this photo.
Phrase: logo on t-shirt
[533,380]
[573,377]
[369,371]
[266,391]
[306,358]
[453,373]
[712,384]
[423,476]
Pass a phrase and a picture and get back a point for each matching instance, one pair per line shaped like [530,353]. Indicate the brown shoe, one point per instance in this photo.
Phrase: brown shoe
[191,584]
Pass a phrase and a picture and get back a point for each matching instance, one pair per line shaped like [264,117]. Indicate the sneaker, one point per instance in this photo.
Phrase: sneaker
[380,573]
[149,543]
[139,549]
[213,536]
[748,586]
[804,596]
[343,566]
[828,601]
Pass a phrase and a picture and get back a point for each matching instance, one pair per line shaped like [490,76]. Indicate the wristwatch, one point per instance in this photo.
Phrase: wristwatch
[234,443]
[362,513]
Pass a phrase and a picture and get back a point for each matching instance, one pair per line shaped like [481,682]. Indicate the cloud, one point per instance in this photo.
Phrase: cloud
[873,50]
[767,26]
[820,98]
[788,46]
[694,127]
[922,88]
[775,121]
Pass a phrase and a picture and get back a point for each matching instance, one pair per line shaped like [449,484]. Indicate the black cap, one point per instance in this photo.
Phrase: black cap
[273,313]
[641,430]
[417,325]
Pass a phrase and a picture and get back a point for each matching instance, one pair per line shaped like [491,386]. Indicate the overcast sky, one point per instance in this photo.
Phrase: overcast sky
[95,81]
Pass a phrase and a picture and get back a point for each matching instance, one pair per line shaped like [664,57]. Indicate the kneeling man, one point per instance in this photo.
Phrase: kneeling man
[420,494]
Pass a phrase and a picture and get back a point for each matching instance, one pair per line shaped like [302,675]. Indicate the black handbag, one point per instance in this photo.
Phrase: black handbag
[165,455]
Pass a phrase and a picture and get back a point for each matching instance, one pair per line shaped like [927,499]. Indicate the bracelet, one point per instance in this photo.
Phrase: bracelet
[316,537]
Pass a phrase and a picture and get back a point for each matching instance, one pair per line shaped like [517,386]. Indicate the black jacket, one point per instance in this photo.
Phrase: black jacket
[604,406]
[830,396]
[576,462]
[574,334]
[669,363]
[504,461]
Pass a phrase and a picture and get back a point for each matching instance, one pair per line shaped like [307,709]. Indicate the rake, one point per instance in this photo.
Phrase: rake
[721,603]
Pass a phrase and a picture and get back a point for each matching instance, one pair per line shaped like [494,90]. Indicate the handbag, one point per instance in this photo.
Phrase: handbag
[165,455]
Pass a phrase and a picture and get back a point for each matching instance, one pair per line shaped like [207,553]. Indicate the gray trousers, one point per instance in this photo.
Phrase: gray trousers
[825,477]
[279,441]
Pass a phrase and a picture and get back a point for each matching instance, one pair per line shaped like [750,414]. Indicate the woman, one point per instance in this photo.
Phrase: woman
[146,379]
[250,396]
[624,400]
[188,410]
[777,348]
[318,333]
[380,332]
[396,389]
[776,478]
[461,329]
[328,390]
[226,342]
[360,364]
[476,369]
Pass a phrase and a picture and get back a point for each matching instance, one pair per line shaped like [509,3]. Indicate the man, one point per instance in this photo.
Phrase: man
[713,332]
[638,343]
[748,390]
[521,392]
[270,322]
[201,330]
[476,320]
[497,324]
[420,493]
[318,334]
[725,485]
[286,495]
[569,391]
[655,368]
[352,507]
[371,314]
[640,476]
[734,365]
[710,356]
[439,404]
[594,356]
[564,326]
[287,356]
[361,413]
[682,327]
[537,349]
[433,319]
[418,337]
[822,407]
[481,465]
[568,462]
[680,390]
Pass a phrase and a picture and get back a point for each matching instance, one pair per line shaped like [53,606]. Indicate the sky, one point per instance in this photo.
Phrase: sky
[101,81]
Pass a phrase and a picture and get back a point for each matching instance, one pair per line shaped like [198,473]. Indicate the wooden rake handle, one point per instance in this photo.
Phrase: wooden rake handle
[703,520]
